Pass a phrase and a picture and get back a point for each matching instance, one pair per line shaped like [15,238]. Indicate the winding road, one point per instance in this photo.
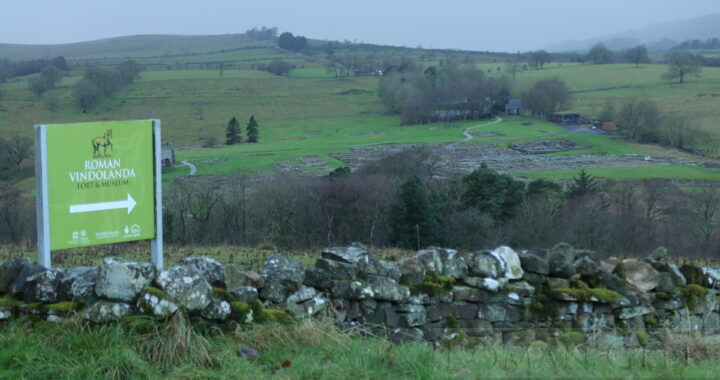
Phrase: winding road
[467,134]
[193,168]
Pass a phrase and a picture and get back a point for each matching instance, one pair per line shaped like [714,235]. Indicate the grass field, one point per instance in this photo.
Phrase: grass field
[674,171]
[139,348]
[308,113]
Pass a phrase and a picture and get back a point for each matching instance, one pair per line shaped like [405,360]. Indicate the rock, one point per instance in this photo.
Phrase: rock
[658,254]
[318,278]
[586,266]
[385,269]
[246,294]
[677,277]
[43,286]
[430,258]
[631,312]
[351,290]
[355,254]
[559,265]
[123,280]
[606,341]
[388,290]
[303,294]
[484,264]
[712,276]
[420,299]
[315,305]
[274,292]
[499,312]
[155,305]
[555,282]
[566,250]
[5,313]
[9,270]
[522,288]
[337,269]
[248,353]
[532,262]
[284,271]
[216,310]
[106,311]
[438,311]
[26,272]
[211,269]
[486,283]
[711,324]
[513,268]
[610,264]
[78,284]
[412,271]
[411,315]
[682,322]
[641,275]
[186,285]
[401,335]
[466,293]
[236,278]
[665,283]
[453,265]
[464,310]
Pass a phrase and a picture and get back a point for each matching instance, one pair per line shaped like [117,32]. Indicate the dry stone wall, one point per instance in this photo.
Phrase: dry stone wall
[437,294]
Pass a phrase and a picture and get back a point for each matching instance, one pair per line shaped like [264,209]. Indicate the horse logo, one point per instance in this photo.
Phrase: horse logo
[104,142]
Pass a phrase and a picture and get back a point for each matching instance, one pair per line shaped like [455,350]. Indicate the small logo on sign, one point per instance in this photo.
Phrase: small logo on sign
[104,142]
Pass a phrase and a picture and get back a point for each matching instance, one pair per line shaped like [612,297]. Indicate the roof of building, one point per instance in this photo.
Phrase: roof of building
[514,103]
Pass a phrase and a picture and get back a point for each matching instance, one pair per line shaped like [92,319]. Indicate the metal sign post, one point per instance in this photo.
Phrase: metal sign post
[98,183]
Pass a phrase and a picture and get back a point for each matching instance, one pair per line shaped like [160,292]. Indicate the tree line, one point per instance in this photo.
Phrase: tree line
[10,69]
[98,83]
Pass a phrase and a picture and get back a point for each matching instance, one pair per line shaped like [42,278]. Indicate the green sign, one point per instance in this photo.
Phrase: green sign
[100,183]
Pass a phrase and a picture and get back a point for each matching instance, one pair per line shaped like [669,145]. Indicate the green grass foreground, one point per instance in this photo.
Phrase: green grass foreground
[138,348]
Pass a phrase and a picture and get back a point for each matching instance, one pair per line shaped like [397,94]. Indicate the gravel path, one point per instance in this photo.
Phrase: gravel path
[467,134]
[193,168]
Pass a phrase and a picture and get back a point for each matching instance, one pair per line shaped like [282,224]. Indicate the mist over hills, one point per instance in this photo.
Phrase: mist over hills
[656,37]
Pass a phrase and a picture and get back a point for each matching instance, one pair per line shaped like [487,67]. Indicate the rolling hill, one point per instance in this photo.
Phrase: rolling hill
[658,36]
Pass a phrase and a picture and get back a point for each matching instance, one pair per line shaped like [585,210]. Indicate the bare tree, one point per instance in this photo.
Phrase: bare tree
[19,149]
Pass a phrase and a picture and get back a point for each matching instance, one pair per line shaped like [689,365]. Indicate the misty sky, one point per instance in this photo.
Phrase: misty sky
[498,25]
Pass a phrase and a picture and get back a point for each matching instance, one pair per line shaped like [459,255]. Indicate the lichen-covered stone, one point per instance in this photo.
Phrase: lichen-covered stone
[78,284]
[486,283]
[123,280]
[43,286]
[411,315]
[210,268]
[632,312]
[186,285]
[355,254]
[9,270]
[338,270]
[412,271]
[484,264]
[236,278]
[430,258]
[513,267]
[318,278]
[106,311]
[586,266]
[156,305]
[216,310]
[246,294]
[303,294]
[532,262]
[677,276]
[352,290]
[284,271]
[453,265]
[401,334]
[387,289]
[559,265]
[27,271]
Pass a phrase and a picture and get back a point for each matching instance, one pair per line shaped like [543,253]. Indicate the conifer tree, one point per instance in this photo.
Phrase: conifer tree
[415,217]
[252,130]
[232,132]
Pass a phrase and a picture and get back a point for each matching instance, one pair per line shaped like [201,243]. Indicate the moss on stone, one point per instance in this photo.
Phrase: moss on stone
[693,274]
[62,307]
[9,301]
[261,314]
[642,337]
[239,311]
[605,295]
[651,323]
[434,285]
[694,296]
[543,307]
[664,295]
[279,316]
[159,294]
[587,294]
[571,338]
[223,294]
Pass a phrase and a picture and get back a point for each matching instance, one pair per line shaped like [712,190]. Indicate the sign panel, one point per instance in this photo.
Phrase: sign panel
[100,185]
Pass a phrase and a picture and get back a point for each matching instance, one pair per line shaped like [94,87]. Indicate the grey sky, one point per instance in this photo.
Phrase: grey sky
[499,25]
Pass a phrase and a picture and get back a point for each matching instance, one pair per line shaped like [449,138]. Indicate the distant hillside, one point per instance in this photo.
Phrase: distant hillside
[657,37]
[131,46]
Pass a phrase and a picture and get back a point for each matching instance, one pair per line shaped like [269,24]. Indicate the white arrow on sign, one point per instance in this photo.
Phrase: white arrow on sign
[129,203]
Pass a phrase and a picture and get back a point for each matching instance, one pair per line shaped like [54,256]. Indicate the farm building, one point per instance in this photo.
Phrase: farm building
[167,154]
[570,118]
[514,107]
